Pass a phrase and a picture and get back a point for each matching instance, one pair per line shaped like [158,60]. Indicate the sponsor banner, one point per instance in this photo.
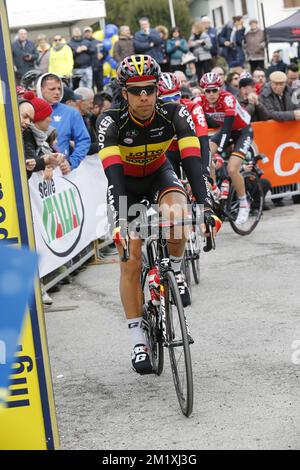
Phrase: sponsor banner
[27,420]
[280,142]
[68,212]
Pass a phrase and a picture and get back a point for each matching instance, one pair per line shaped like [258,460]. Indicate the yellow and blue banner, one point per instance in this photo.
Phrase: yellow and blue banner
[27,418]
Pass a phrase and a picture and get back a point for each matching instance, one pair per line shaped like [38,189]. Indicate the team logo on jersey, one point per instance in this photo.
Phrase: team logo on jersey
[185,114]
[104,125]
[229,101]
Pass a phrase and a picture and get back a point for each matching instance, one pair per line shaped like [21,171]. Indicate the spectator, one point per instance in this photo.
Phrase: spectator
[293,76]
[124,47]
[259,78]
[67,121]
[36,148]
[24,54]
[43,48]
[147,40]
[97,109]
[164,34]
[221,74]
[200,44]
[176,47]
[249,99]
[70,98]
[212,32]
[181,76]
[255,46]
[277,64]
[231,40]
[97,57]
[191,74]
[277,98]
[83,53]
[107,95]
[26,112]
[61,60]
[232,83]
[85,106]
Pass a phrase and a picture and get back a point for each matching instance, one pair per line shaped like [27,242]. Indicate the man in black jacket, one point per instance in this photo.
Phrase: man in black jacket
[24,54]
[83,52]
[278,99]
[97,57]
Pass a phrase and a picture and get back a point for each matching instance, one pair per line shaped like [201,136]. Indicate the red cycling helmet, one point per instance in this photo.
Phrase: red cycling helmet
[168,84]
[137,68]
[210,80]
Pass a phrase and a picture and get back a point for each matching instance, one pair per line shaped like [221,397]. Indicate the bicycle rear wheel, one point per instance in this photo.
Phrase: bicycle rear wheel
[178,342]
[255,198]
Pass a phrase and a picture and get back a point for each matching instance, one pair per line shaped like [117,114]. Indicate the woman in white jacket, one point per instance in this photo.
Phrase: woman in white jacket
[200,44]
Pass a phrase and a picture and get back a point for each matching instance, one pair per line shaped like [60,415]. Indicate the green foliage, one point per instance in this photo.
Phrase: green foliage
[119,12]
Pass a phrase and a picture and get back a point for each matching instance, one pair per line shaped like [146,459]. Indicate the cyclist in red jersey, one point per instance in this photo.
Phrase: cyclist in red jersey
[223,109]
[169,89]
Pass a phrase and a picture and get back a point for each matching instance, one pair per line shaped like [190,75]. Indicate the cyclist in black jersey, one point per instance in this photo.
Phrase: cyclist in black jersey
[132,143]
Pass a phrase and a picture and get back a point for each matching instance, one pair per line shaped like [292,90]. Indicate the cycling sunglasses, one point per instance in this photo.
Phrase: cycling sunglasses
[211,90]
[139,90]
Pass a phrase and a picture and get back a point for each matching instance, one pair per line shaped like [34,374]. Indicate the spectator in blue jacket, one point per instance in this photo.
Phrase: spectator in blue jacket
[83,52]
[24,54]
[73,138]
[212,32]
[176,47]
[231,41]
[148,41]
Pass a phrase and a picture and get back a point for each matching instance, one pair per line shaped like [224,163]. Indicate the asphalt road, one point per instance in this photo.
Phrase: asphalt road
[245,319]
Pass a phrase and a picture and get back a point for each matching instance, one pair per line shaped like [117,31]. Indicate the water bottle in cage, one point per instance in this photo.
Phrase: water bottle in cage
[225,189]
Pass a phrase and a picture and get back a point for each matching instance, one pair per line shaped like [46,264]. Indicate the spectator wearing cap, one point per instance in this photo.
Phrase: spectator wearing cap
[277,64]
[97,57]
[249,99]
[61,60]
[39,156]
[231,40]
[277,98]
[24,54]
[124,47]
[70,98]
[176,47]
[255,46]
[68,122]
[83,53]
[147,40]
[43,48]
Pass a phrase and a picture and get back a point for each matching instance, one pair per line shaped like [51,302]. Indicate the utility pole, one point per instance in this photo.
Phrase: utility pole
[172,14]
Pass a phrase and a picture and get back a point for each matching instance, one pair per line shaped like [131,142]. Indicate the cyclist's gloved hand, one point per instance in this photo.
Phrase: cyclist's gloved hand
[120,236]
[211,220]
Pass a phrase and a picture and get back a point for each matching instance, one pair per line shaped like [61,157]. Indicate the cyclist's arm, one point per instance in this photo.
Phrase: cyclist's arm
[189,147]
[226,131]
[110,156]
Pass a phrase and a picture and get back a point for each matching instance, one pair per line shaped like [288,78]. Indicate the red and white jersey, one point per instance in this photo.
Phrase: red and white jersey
[227,105]
[198,116]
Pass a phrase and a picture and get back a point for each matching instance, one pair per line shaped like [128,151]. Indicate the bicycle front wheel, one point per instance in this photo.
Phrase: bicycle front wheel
[178,343]
[255,198]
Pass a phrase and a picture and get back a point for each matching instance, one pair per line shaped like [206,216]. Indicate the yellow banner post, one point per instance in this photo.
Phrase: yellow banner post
[27,421]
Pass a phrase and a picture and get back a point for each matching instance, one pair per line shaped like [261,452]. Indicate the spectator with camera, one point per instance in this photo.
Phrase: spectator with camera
[249,99]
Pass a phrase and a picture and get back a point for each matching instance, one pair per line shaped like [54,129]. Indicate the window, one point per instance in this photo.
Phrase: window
[218,17]
[291,3]
[244,8]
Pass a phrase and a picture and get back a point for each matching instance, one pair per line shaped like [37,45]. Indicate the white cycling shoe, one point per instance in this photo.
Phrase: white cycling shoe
[243,215]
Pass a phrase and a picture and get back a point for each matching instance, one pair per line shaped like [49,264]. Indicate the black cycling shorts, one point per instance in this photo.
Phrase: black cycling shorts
[153,187]
[242,140]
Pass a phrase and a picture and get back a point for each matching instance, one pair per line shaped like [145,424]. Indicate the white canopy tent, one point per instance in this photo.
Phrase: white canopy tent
[46,16]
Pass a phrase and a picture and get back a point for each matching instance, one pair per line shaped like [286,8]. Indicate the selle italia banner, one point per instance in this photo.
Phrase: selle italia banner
[27,418]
